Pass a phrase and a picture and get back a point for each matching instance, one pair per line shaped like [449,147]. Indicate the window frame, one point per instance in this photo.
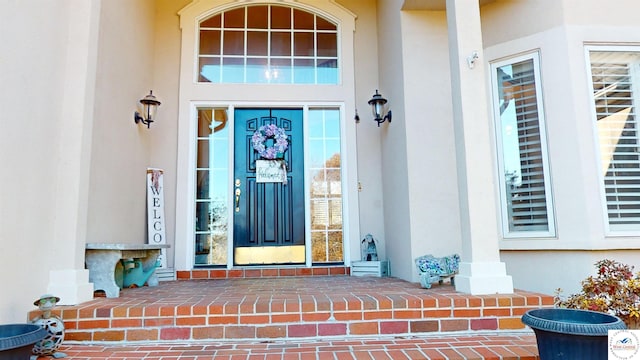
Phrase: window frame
[316,58]
[635,98]
[551,232]
[312,170]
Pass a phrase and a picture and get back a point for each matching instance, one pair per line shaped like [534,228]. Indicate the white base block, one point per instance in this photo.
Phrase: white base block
[72,286]
[483,278]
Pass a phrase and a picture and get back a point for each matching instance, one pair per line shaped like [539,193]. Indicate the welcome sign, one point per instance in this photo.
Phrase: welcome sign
[155,212]
[271,171]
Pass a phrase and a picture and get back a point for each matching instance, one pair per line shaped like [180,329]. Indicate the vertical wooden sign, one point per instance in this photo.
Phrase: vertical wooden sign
[155,212]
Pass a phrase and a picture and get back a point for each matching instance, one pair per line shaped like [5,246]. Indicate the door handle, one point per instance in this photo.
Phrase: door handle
[238,192]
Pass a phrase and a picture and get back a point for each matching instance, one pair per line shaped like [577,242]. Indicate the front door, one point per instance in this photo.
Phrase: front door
[268,216]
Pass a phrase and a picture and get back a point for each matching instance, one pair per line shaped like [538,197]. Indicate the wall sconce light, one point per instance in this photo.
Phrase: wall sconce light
[378,107]
[149,107]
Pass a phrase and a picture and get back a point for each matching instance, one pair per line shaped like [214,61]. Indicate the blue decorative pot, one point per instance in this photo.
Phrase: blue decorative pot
[571,334]
[17,340]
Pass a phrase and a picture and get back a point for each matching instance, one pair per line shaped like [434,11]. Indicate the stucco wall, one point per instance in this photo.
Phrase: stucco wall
[546,271]
[596,13]
[395,183]
[433,198]
[368,134]
[573,158]
[45,144]
[163,145]
[506,20]
[27,150]
[121,149]
[139,51]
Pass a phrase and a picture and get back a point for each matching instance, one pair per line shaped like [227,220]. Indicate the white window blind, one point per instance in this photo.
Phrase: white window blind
[613,77]
[526,202]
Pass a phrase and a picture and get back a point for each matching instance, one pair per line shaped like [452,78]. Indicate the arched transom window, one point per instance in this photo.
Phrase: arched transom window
[268,44]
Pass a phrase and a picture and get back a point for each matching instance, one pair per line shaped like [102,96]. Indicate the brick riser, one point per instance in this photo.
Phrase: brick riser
[249,273]
[304,309]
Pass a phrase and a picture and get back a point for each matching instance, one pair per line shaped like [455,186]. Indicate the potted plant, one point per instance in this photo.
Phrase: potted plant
[571,334]
[615,290]
[577,328]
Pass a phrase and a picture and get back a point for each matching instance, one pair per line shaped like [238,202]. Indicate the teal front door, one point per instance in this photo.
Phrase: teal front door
[269,217]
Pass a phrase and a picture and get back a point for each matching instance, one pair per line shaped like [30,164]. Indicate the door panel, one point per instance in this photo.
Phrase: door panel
[268,217]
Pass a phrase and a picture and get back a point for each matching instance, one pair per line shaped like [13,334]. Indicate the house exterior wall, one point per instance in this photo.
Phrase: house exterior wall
[164,141]
[29,129]
[395,189]
[358,82]
[45,147]
[121,149]
[79,173]
[146,37]
[369,147]
[546,271]
[421,207]
[435,152]
[560,39]
[432,176]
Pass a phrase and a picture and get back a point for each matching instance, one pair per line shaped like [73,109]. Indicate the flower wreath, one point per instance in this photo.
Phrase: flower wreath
[279,146]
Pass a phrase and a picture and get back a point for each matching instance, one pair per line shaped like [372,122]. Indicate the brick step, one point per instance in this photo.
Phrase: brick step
[504,346]
[262,272]
[292,308]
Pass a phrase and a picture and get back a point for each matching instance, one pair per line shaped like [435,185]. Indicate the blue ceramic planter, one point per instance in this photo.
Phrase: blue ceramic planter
[17,340]
[571,334]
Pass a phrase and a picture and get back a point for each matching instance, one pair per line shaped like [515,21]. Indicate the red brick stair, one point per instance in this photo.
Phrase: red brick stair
[291,307]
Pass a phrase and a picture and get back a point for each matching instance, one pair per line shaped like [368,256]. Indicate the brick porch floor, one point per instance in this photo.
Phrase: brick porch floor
[292,307]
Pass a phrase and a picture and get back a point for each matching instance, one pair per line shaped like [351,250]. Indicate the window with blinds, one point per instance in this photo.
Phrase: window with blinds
[614,78]
[526,196]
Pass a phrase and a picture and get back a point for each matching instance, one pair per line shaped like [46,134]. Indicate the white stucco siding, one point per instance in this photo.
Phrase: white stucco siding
[44,148]
[121,149]
[395,183]
[506,20]
[434,208]
[27,149]
[596,13]
[368,134]
[581,238]
[139,51]
[163,141]
[546,271]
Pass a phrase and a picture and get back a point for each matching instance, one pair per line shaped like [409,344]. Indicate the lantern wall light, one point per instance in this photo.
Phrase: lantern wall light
[378,107]
[149,107]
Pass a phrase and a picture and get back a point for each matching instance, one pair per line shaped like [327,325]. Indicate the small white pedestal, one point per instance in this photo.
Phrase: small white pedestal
[370,268]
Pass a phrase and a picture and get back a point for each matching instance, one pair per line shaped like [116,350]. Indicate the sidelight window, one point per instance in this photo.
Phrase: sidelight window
[212,170]
[326,186]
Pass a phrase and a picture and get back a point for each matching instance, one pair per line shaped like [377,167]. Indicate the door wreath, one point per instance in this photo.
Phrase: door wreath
[280,142]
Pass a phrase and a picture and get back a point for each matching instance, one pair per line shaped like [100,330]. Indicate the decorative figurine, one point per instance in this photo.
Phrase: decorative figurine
[368,248]
[433,269]
[54,326]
